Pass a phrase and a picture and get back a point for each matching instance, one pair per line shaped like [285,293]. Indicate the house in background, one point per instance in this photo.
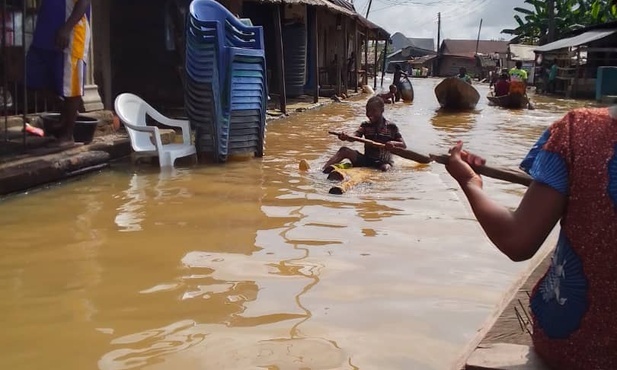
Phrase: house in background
[399,41]
[410,53]
[478,57]
[579,57]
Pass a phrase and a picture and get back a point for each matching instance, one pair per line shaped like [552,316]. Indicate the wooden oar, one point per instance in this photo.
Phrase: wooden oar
[505,174]
[405,153]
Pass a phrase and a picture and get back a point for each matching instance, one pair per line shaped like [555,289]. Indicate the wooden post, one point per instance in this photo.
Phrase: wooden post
[278,35]
[375,44]
[345,55]
[339,64]
[366,57]
[576,70]
[383,67]
[355,53]
[315,30]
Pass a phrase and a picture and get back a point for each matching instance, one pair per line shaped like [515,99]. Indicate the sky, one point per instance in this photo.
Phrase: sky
[460,19]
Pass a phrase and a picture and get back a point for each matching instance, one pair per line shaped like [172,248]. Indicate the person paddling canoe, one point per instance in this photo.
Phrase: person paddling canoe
[378,129]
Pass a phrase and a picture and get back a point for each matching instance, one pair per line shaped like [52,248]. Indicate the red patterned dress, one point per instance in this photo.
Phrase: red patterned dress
[575,303]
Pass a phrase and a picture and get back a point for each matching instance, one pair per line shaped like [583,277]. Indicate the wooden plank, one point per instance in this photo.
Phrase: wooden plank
[375,65]
[365,81]
[339,56]
[345,55]
[505,356]
[355,53]
[278,35]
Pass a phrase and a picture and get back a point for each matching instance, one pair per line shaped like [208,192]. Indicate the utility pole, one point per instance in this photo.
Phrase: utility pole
[550,10]
[370,2]
[478,40]
[438,31]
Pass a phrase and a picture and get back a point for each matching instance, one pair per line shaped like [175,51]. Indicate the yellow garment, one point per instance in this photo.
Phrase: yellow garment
[518,75]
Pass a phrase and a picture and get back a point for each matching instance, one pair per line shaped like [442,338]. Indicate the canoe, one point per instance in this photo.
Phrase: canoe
[511,101]
[407,90]
[456,94]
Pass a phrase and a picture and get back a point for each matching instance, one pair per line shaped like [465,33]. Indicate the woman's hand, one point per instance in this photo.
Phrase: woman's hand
[343,136]
[460,166]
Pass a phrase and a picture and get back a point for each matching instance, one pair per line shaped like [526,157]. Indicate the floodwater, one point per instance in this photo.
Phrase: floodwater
[252,265]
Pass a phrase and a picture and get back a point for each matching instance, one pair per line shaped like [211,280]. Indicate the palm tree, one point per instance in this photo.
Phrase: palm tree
[569,14]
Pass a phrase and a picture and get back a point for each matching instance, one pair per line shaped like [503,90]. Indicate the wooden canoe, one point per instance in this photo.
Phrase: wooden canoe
[510,101]
[456,94]
[407,90]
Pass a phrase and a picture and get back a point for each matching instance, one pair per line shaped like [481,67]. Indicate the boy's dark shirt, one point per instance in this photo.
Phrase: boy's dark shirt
[386,131]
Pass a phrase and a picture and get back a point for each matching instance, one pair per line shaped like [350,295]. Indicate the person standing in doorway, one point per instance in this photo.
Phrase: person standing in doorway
[57,58]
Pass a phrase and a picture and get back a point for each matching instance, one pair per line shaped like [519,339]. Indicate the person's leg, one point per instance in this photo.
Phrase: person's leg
[70,83]
[343,153]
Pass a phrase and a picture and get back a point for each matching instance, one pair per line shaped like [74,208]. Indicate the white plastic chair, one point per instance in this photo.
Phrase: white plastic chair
[132,111]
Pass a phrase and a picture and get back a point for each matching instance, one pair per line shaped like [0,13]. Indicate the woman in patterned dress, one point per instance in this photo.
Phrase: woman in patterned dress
[574,171]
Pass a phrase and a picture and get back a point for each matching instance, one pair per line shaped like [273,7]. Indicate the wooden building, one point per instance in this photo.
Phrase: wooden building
[476,56]
[138,47]
[578,58]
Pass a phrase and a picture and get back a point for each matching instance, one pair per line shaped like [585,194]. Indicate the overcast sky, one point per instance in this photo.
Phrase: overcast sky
[460,19]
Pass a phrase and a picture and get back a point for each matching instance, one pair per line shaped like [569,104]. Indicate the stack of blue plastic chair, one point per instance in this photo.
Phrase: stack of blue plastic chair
[226,96]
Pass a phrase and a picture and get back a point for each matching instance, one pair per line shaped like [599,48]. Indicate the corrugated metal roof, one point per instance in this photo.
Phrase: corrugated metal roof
[576,40]
[467,48]
[336,6]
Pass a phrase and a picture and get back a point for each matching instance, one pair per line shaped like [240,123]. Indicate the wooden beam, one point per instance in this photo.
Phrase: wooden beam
[383,67]
[366,57]
[278,35]
[375,43]
[339,63]
[345,54]
[355,53]
[314,28]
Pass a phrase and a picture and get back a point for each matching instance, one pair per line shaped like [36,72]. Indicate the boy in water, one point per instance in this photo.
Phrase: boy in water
[462,74]
[390,96]
[378,129]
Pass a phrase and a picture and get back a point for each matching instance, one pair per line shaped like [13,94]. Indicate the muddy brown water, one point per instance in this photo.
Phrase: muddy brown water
[252,265]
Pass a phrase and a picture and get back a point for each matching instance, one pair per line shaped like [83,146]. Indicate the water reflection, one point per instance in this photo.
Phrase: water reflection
[148,186]
[454,123]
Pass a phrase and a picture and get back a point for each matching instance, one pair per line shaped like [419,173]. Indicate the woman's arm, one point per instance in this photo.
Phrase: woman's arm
[520,233]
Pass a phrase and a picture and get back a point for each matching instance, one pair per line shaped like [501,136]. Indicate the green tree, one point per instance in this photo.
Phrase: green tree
[569,14]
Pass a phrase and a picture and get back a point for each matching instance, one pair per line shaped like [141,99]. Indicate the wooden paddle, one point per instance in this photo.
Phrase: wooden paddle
[513,176]
[505,174]
[407,154]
